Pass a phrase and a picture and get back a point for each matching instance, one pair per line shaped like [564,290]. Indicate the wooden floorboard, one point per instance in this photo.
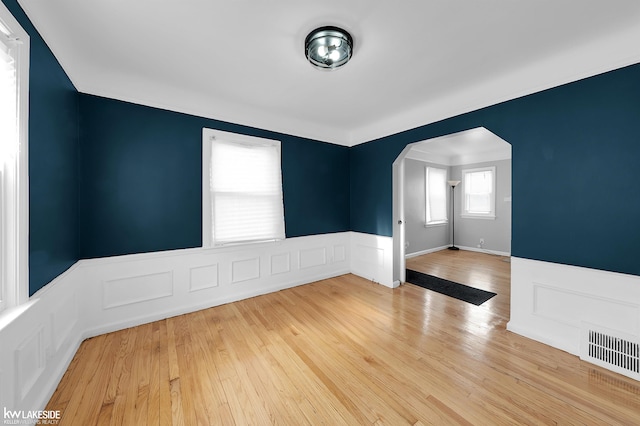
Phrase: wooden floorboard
[344,351]
[480,270]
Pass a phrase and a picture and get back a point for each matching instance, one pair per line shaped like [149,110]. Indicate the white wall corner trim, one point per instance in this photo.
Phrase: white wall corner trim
[372,258]
[550,302]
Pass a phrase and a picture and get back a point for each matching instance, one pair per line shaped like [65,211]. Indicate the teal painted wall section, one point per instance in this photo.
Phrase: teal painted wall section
[140,179]
[576,150]
[53,162]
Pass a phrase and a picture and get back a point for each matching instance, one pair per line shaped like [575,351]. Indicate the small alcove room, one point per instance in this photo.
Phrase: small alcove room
[346,213]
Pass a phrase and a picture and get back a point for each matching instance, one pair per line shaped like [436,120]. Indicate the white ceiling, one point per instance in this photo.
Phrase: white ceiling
[468,147]
[414,62]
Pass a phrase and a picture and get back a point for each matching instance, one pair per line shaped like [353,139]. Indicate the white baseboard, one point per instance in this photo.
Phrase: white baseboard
[433,250]
[427,251]
[550,302]
[480,250]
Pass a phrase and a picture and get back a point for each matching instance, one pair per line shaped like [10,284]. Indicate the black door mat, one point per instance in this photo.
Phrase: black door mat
[449,288]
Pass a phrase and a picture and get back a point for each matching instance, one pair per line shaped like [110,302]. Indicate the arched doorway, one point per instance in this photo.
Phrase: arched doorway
[456,153]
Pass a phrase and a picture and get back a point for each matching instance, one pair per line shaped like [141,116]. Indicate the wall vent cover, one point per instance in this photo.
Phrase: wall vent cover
[611,349]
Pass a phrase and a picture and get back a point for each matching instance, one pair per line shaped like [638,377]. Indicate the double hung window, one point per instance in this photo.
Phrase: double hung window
[242,189]
[479,192]
[436,196]
[14,109]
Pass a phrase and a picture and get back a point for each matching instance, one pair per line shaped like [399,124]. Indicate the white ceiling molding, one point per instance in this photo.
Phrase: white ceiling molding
[244,62]
[426,157]
[601,55]
[471,146]
[480,157]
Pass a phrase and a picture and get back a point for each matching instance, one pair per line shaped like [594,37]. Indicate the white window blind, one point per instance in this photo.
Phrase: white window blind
[436,186]
[8,101]
[479,193]
[246,189]
[8,143]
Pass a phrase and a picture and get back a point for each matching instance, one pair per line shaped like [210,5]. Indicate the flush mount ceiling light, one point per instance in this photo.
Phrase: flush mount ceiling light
[328,47]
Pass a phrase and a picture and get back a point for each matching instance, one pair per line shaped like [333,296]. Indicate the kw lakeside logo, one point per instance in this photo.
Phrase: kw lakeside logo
[30,417]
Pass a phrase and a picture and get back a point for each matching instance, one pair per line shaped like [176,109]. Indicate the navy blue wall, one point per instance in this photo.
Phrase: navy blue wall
[53,162]
[576,157]
[140,179]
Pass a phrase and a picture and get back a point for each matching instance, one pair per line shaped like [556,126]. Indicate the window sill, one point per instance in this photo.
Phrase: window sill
[436,224]
[474,216]
[233,246]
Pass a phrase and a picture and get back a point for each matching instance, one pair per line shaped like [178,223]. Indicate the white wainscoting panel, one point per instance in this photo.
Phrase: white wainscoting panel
[313,257]
[372,258]
[280,263]
[220,275]
[245,270]
[550,301]
[137,289]
[203,277]
[37,342]
[339,253]
[29,361]
[63,322]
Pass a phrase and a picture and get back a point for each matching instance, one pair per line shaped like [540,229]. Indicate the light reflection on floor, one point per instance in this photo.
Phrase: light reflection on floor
[474,321]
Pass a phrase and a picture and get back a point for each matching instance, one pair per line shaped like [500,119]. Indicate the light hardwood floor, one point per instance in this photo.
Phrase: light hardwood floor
[479,270]
[339,351]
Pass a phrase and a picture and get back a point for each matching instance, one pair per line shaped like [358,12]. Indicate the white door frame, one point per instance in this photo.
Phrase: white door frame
[398,212]
[399,264]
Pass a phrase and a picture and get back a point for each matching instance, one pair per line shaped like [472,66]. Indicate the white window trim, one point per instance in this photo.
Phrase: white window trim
[487,216]
[207,215]
[444,222]
[14,249]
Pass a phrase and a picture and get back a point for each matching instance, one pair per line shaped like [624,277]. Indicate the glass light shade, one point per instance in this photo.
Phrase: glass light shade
[328,47]
[453,182]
